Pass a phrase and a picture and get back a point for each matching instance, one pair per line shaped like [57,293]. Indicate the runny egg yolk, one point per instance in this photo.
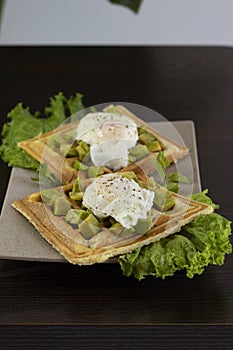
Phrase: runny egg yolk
[110,136]
[116,196]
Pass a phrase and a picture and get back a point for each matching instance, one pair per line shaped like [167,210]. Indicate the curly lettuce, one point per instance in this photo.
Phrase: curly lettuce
[203,241]
[24,125]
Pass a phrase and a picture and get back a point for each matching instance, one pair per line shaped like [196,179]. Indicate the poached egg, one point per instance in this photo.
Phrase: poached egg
[110,136]
[115,195]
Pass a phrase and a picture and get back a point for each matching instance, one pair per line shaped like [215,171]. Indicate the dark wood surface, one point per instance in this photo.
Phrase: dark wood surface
[59,305]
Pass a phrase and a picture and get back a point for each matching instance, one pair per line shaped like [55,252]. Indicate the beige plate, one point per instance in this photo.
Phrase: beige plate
[18,238]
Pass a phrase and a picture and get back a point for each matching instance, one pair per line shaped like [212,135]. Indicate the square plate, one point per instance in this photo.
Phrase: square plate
[20,240]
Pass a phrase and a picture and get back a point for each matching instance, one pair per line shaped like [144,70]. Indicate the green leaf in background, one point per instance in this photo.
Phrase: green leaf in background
[24,125]
[203,198]
[1,10]
[134,5]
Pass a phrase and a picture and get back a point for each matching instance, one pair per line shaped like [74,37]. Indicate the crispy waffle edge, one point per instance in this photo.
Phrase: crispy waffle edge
[35,212]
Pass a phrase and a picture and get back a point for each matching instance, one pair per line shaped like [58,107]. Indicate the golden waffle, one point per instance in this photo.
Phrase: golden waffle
[70,243]
[38,149]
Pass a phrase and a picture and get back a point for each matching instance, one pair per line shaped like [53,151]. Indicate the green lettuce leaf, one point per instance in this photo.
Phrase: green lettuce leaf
[203,241]
[132,4]
[23,125]
[203,198]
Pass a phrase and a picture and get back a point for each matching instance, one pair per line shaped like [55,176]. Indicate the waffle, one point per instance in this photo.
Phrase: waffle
[37,147]
[70,243]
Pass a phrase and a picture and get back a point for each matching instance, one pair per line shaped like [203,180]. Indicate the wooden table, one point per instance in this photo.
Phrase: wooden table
[63,306]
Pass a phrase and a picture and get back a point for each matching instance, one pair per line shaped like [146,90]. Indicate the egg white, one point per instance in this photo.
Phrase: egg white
[116,196]
[110,136]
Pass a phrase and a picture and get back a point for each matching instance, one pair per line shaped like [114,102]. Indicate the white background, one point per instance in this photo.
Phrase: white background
[99,22]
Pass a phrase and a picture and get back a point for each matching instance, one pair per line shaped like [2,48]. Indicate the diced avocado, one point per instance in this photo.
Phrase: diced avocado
[94,171]
[151,183]
[111,109]
[163,160]
[173,187]
[139,151]
[61,206]
[89,227]
[163,200]
[177,177]
[169,204]
[131,158]
[130,175]
[76,187]
[154,146]
[143,225]
[76,216]
[82,150]
[52,200]
[76,196]
[126,231]
[47,195]
[72,152]
[116,228]
[141,131]
[79,166]
[160,164]
[67,150]
[146,137]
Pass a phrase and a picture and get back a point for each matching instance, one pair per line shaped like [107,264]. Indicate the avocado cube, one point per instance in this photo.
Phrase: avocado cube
[141,131]
[173,187]
[76,216]
[89,227]
[116,228]
[154,146]
[146,138]
[82,150]
[126,231]
[61,206]
[111,109]
[76,186]
[163,200]
[79,166]
[47,195]
[130,175]
[139,151]
[143,225]
[71,152]
[94,171]
[169,203]
[67,150]
[76,196]
[131,158]
[151,183]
